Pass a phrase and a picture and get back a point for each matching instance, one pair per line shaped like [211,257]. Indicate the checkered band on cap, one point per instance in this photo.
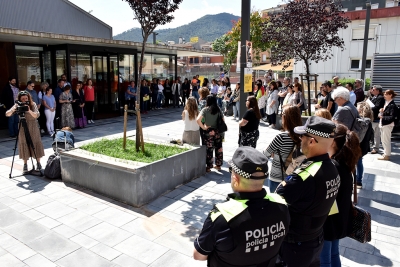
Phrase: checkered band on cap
[239,171]
[317,133]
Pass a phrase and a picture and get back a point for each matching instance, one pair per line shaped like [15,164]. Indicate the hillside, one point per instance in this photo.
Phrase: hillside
[208,28]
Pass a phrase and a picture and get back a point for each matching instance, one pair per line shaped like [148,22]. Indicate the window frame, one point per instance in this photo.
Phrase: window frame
[360,64]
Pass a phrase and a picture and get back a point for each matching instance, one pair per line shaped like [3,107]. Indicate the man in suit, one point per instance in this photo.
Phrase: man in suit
[10,94]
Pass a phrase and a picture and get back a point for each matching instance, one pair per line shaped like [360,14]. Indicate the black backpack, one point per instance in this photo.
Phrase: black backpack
[53,167]
[396,114]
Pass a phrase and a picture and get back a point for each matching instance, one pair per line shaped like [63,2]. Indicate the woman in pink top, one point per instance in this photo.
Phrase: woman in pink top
[89,100]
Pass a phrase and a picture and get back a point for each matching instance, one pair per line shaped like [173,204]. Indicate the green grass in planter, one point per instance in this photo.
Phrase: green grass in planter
[113,148]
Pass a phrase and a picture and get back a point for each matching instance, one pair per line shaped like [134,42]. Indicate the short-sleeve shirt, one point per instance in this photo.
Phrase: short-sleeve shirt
[89,93]
[209,119]
[252,123]
[195,85]
[326,100]
[50,101]
[346,114]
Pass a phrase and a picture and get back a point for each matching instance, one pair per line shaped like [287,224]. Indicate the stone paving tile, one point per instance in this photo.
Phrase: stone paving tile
[173,258]
[9,217]
[105,251]
[145,228]
[83,258]
[115,216]
[53,246]
[107,234]
[66,196]
[127,261]
[33,214]
[79,221]
[141,249]
[39,261]
[9,260]
[48,222]
[89,206]
[176,242]
[19,207]
[84,241]
[65,231]
[55,209]
[27,231]
[34,200]
[21,251]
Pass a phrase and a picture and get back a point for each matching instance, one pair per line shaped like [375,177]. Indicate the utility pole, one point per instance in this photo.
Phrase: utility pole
[245,36]
[365,47]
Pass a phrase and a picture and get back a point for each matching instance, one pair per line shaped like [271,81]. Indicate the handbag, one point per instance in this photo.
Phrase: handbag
[221,125]
[295,158]
[360,225]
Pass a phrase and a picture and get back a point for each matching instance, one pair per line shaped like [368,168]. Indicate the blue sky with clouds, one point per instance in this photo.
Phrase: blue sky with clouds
[118,14]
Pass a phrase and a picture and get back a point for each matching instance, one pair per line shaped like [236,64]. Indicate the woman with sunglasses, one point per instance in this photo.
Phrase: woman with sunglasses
[282,145]
[345,152]
[24,151]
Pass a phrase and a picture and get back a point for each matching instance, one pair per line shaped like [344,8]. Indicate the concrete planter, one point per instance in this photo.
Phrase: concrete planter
[131,182]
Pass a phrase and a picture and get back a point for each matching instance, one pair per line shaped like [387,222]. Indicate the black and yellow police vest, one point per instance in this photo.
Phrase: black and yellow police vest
[258,227]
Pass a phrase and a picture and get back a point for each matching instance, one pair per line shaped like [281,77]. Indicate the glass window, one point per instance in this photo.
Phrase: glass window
[61,63]
[147,71]
[81,68]
[47,75]
[28,64]
[126,68]
[355,64]
[368,64]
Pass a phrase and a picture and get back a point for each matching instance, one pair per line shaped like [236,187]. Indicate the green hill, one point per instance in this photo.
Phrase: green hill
[208,28]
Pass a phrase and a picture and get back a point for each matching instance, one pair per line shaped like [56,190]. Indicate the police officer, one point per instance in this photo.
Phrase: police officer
[249,228]
[310,192]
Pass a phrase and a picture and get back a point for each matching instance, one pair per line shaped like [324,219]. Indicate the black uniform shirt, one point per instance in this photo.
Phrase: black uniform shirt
[310,199]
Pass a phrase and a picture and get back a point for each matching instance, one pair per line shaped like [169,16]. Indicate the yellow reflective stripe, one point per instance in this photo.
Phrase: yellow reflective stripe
[214,215]
[310,170]
[231,208]
[275,198]
[334,208]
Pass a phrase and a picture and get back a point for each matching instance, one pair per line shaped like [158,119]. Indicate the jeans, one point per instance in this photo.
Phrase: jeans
[330,254]
[377,135]
[262,111]
[219,102]
[359,170]
[160,97]
[195,94]
[272,186]
[13,121]
[236,110]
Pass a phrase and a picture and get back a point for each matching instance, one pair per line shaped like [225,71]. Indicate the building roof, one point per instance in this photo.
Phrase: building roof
[44,38]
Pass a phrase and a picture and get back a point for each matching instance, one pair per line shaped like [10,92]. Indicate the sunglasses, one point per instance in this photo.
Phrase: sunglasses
[307,135]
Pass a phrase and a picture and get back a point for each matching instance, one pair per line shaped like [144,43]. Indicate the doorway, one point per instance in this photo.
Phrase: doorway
[105,80]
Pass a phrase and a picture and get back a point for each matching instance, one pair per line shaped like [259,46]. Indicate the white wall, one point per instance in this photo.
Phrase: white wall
[386,40]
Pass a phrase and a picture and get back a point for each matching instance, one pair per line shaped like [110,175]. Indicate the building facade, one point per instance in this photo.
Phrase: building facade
[36,50]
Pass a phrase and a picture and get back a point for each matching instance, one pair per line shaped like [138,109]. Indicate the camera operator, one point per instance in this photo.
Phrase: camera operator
[28,109]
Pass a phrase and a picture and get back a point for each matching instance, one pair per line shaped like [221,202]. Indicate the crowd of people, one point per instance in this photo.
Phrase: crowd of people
[311,177]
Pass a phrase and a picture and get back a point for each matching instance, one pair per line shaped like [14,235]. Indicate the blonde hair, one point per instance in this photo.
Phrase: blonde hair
[365,110]
[191,107]
[324,113]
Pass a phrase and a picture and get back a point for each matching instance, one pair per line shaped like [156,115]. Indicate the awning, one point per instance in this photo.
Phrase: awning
[267,67]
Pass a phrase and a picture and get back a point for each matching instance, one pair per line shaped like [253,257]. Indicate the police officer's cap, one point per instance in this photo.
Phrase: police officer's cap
[247,160]
[317,126]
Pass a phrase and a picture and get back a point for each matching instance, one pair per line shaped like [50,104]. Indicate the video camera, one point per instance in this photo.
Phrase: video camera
[22,107]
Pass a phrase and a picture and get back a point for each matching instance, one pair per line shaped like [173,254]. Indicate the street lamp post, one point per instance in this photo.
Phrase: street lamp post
[245,36]
[365,47]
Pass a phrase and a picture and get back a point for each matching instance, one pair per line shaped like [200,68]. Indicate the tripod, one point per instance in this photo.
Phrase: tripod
[24,126]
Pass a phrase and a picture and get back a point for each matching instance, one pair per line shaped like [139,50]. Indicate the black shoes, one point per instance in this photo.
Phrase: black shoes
[359,185]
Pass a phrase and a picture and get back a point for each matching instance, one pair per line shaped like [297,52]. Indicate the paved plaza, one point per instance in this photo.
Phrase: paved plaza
[49,223]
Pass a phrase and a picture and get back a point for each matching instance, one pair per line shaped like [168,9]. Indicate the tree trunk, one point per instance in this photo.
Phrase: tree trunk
[139,132]
[308,85]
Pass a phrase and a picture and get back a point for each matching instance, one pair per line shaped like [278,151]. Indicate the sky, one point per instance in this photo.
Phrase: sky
[118,14]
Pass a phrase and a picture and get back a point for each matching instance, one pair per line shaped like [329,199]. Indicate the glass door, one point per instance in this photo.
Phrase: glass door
[114,76]
[100,82]
[46,59]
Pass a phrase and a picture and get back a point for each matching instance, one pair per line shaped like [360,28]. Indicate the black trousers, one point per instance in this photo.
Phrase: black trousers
[89,109]
[302,254]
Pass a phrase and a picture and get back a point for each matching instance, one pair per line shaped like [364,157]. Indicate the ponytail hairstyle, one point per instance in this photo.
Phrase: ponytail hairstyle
[347,147]
[292,118]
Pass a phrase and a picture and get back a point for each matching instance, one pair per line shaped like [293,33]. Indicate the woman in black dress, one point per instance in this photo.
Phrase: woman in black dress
[78,106]
[248,134]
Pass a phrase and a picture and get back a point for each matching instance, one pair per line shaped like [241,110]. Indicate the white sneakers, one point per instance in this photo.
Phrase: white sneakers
[90,121]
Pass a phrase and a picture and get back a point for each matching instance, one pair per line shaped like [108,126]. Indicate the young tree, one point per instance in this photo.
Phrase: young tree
[305,30]
[227,44]
[150,14]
